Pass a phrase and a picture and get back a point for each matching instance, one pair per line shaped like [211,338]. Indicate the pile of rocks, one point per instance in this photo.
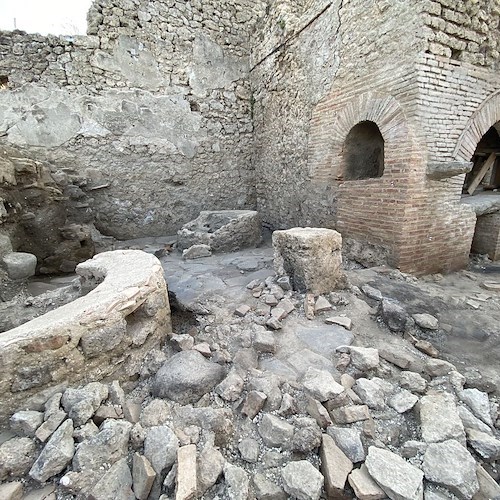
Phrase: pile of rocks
[211,424]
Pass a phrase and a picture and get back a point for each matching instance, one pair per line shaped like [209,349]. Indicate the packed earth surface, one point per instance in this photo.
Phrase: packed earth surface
[370,391]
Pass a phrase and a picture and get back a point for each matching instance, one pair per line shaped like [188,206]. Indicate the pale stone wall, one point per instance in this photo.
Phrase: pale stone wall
[106,333]
[158,95]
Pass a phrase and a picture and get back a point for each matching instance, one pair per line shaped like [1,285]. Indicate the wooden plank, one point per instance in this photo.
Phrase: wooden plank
[480,175]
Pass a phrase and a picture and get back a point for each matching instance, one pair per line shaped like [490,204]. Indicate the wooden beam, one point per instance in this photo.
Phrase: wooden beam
[482,172]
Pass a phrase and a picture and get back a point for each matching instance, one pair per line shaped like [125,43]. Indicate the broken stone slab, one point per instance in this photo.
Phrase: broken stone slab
[370,392]
[321,384]
[439,418]
[19,265]
[26,422]
[56,454]
[143,476]
[263,341]
[231,387]
[493,286]
[349,441]
[322,305]
[342,321]
[398,478]
[335,466]
[402,401]
[426,321]
[311,257]
[186,377]
[210,465]
[365,488]
[186,482]
[363,358]
[275,432]
[254,402]
[222,230]
[196,252]
[318,412]
[237,482]
[402,359]
[484,444]
[450,464]
[302,480]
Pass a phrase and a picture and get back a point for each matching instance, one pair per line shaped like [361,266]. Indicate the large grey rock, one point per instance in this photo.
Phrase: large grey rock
[399,479]
[237,482]
[186,377]
[26,422]
[311,257]
[321,384]
[302,480]
[472,422]
[222,230]
[349,441]
[143,476]
[439,418]
[16,457]
[210,465]
[412,381]
[56,454]
[370,392]
[479,403]
[306,436]
[394,315]
[160,447]
[451,465]
[19,265]
[115,484]
[275,431]
[81,404]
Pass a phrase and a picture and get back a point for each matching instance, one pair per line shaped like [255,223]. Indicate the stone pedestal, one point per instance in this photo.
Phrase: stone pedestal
[311,257]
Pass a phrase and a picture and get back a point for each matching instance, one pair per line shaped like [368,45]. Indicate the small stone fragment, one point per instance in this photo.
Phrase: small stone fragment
[488,487]
[427,348]
[182,342]
[302,480]
[364,486]
[266,489]
[339,320]
[231,387]
[322,305]
[115,483]
[438,367]
[16,457]
[479,404]
[318,412]
[249,450]
[394,315]
[210,465]
[160,447]
[237,482]
[412,381]
[275,432]
[196,252]
[242,310]
[186,473]
[309,304]
[426,321]
[25,423]
[264,341]
[274,324]
[371,292]
[349,441]
[253,404]
[321,384]
[402,401]
[351,414]
[484,444]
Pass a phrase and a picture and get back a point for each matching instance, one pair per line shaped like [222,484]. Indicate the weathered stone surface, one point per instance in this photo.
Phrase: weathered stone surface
[311,257]
[399,479]
[364,358]
[321,384]
[402,401]
[339,320]
[370,393]
[160,447]
[372,293]
[275,431]
[426,321]
[302,480]
[488,487]
[412,381]
[322,305]
[16,457]
[11,491]
[249,450]
[349,441]
[266,489]
[231,387]
[237,482]
[196,252]
[264,341]
[56,454]
[451,465]
[210,466]
[439,418]
[318,412]
[438,367]
[350,414]
[484,444]
[143,476]
[335,466]
[19,265]
[479,404]
[364,486]
[394,315]
[306,436]
[25,423]
[222,231]
[186,377]
[186,473]
[472,422]
[115,483]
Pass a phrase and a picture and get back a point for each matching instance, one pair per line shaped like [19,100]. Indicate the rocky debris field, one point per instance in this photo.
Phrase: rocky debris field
[266,393]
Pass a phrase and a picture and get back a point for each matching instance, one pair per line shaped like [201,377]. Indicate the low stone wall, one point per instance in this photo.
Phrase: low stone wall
[106,333]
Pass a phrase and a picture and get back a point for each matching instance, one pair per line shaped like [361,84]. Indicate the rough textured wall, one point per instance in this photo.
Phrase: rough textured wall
[294,65]
[156,102]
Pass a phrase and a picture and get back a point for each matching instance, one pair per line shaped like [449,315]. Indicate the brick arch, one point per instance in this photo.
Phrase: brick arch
[333,120]
[479,123]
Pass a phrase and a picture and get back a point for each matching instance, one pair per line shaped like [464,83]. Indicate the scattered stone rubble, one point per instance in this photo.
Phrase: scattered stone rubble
[211,421]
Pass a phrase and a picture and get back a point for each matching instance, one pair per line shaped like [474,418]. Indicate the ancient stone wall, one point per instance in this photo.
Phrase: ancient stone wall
[157,95]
